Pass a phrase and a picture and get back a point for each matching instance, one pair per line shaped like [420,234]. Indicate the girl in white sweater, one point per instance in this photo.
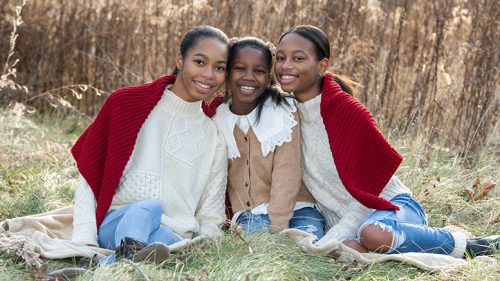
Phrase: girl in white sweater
[166,180]
[348,166]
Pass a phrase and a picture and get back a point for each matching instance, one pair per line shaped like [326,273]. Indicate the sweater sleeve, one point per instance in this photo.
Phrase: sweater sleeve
[348,226]
[210,212]
[286,179]
[84,219]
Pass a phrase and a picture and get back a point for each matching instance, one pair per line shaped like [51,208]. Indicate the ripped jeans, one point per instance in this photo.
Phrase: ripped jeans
[307,219]
[410,230]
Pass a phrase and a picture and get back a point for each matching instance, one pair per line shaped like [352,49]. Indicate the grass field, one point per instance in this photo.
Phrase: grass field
[428,70]
[37,174]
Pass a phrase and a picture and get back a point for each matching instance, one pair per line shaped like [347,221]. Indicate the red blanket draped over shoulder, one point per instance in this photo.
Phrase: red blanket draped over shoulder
[364,159]
[103,150]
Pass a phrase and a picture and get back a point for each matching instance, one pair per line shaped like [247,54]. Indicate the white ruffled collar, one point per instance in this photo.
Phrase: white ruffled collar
[273,129]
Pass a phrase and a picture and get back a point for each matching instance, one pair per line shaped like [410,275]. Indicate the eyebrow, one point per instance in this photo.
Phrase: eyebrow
[241,62]
[206,57]
[294,51]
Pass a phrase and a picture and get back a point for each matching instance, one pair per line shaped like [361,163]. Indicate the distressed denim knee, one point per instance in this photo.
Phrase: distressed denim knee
[379,236]
[410,232]
[408,237]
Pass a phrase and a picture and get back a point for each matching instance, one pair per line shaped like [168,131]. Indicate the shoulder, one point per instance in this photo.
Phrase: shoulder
[222,115]
[290,113]
[142,92]
[210,108]
[286,107]
[337,103]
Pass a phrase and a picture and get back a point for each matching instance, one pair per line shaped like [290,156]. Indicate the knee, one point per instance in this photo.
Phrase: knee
[376,238]
[153,206]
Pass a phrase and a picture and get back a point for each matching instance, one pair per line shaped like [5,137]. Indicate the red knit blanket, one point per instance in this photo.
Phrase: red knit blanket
[105,147]
[364,159]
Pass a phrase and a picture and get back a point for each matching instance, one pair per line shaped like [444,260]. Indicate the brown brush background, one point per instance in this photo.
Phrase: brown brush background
[426,67]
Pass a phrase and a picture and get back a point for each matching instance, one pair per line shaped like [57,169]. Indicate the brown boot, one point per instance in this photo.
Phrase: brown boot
[138,251]
[156,252]
[129,247]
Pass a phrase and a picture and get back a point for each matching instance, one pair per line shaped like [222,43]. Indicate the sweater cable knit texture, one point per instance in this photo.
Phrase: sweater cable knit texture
[104,148]
[179,160]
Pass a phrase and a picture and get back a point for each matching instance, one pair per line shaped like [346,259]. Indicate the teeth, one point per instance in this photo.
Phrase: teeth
[287,76]
[202,85]
[248,88]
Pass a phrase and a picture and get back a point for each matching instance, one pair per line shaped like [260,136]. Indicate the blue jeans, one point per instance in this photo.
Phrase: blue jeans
[409,228]
[307,219]
[140,221]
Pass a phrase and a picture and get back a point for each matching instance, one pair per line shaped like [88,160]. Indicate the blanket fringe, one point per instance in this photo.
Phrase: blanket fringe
[21,247]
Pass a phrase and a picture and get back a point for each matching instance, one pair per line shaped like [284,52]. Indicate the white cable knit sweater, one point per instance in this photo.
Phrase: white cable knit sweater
[179,159]
[343,214]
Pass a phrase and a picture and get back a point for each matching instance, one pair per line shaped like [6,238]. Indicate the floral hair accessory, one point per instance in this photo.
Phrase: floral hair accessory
[231,41]
[271,47]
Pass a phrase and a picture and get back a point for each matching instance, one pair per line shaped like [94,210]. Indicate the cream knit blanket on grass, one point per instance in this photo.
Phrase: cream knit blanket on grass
[48,235]
[336,249]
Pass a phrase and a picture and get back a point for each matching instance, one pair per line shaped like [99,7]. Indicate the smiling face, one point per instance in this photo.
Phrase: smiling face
[201,71]
[248,79]
[297,67]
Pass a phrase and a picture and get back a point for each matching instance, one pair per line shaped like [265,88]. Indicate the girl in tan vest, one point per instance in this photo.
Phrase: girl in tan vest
[262,132]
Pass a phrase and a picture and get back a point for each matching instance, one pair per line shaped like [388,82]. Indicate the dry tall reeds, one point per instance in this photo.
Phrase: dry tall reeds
[427,67]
